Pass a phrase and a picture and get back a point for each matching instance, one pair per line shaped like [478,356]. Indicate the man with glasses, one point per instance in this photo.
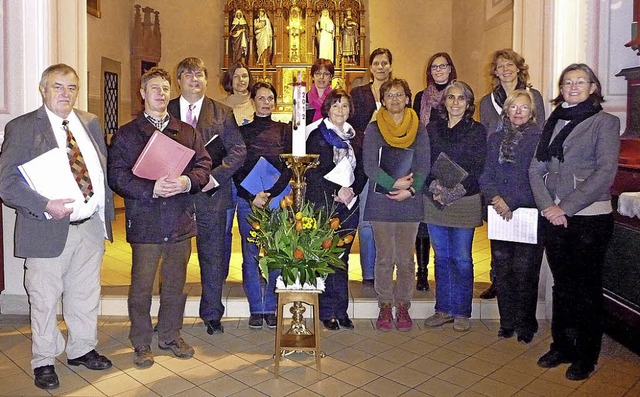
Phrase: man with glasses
[62,238]
[216,124]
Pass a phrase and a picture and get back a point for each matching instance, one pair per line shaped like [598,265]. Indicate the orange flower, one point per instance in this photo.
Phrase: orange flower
[298,254]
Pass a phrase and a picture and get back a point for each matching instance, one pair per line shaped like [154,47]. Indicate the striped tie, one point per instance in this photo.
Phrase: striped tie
[77,164]
[191,118]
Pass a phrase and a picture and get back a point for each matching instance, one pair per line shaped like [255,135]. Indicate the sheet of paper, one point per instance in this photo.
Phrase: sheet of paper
[522,228]
[341,174]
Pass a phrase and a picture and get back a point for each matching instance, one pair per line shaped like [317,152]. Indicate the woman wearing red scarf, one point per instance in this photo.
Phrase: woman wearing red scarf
[322,72]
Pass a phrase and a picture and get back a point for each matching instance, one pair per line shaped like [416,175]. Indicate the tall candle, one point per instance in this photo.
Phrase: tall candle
[299,147]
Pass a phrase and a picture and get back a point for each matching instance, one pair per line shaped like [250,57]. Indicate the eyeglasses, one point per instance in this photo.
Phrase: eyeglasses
[442,66]
[396,95]
[322,74]
[522,108]
[266,99]
[580,83]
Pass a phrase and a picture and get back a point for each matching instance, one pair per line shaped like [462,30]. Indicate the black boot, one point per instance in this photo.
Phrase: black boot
[422,257]
[490,292]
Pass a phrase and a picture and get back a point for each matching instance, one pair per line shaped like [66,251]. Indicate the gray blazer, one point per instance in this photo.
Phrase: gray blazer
[590,165]
[27,137]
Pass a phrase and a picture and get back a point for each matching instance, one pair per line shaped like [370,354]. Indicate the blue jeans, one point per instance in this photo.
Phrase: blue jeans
[260,293]
[367,243]
[453,269]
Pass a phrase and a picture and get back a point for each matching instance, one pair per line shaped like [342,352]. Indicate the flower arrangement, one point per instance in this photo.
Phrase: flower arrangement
[304,245]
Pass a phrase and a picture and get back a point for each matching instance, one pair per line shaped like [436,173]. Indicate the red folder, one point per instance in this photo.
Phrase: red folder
[162,156]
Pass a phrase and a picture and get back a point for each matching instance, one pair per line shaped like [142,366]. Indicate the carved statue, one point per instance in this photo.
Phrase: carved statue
[238,38]
[295,29]
[325,34]
[264,36]
[349,38]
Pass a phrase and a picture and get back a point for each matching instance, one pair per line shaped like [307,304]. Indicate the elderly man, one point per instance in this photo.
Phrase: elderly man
[160,219]
[62,238]
[218,128]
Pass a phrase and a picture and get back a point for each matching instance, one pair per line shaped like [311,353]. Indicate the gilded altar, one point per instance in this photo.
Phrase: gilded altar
[279,38]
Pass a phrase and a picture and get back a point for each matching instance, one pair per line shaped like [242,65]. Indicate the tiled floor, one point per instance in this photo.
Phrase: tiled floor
[363,362]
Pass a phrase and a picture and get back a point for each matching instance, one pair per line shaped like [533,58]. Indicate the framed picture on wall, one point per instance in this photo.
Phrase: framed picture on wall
[93,8]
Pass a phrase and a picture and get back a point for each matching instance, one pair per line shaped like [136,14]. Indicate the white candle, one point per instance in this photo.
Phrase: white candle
[299,117]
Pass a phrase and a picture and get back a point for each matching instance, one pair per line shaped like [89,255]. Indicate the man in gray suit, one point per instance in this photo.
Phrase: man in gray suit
[224,143]
[61,238]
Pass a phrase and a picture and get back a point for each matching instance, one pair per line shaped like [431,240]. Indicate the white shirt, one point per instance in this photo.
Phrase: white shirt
[184,108]
[81,210]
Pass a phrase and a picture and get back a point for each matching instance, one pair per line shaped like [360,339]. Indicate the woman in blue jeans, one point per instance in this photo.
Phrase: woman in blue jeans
[263,138]
[453,212]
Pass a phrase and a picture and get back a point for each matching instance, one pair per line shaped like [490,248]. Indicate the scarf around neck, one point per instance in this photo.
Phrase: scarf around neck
[430,99]
[316,101]
[340,140]
[398,135]
[499,95]
[513,135]
[575,114]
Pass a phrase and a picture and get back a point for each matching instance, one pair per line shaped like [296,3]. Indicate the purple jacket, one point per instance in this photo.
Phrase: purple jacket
[155,220]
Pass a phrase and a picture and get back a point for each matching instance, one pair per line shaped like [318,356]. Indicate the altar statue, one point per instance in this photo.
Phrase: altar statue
[264,36]
[325,34]
[295,29]
[349,38]
[238,38]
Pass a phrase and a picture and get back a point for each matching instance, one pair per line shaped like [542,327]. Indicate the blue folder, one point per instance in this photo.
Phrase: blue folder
[262,177]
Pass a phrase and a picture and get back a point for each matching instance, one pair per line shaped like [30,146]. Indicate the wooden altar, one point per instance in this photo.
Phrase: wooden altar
[294,45]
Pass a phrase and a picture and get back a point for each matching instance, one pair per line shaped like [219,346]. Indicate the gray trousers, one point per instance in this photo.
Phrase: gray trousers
[173,259]
[394,248]
[73,276]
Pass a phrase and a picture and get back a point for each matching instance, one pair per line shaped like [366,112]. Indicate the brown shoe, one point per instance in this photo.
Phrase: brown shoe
[179,347]
[142,356]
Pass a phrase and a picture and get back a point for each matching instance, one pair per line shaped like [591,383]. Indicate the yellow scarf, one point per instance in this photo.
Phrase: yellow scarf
[403,135]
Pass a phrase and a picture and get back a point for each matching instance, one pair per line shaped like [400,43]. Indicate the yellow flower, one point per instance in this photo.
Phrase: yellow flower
[253,233]
[308,223]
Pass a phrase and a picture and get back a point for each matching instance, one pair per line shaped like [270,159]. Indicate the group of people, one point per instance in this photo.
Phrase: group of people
[562,166]
[397,199]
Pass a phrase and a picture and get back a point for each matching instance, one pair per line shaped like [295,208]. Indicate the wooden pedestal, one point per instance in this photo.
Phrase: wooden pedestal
[287,340]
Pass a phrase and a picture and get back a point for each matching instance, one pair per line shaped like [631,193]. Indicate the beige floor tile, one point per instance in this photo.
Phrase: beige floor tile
[464,347]
[17,381]
[85,391]
[331,387]
[331,365]
[446,356]
[358,393]
[414,393]
[524,393]
[117,384]
[201,374]
[494,388]
[385,387]
[230,364]
[547,388]
[351,355]
[193,392]
[252,375]
[408,377]
[417,346]
[28,391]
[526,365]
[223,386]
[459,377]
[428,365]
[356,376]
[477,366]
[372,346]
[378,365]
[399,356]
[511,377]
[304,393]
[557,375]
[440,388]
[470,393]
[597,387]
[494,356]
[170,386]
[151,374]
[303,376]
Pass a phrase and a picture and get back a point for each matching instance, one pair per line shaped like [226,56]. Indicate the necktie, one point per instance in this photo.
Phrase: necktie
[191,118]
[77,164]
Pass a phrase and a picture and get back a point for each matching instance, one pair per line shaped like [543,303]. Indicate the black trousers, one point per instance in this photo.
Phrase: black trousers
[517,266]
[576,255]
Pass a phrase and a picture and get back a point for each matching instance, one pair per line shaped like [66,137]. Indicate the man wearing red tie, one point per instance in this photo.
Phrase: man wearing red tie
[62,239]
